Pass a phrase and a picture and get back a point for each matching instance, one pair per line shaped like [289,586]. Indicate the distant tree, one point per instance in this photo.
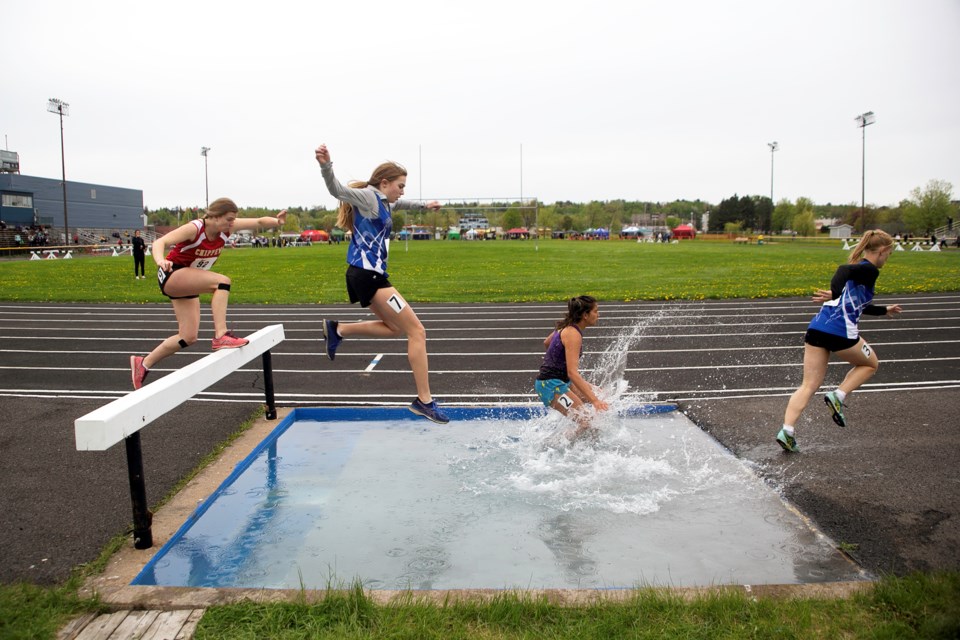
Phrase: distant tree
[763,212]
[594,214]
[747,212]
[732,228]
[567,223]
[783,215]
[804,223]
[329,220]
[511,219]
[673,221]
[727,211]
[930,207]
[891,219]
[546,217]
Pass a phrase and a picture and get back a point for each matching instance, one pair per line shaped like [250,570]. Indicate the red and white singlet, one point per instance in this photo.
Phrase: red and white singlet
[200,252]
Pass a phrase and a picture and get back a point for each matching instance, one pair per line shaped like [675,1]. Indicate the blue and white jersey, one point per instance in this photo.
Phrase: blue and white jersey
[369,243]
[372,221]
[852,288]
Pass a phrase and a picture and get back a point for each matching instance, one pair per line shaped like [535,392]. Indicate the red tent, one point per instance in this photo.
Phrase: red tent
[315,235]
[684,231]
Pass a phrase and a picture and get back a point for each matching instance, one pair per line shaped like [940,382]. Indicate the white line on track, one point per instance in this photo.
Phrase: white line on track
[501,399]
[374,362]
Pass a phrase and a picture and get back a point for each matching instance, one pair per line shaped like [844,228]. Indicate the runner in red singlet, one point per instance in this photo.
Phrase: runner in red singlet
[185,272]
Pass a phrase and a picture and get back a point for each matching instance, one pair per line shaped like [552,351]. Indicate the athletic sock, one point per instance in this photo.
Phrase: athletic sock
[841,396]
[787,429]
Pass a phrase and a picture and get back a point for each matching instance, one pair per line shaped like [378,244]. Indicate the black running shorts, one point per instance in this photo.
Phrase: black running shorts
[163,276]
[829,341]
[362,285]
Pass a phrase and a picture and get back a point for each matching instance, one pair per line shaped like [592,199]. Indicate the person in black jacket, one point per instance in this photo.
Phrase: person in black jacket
[139,255]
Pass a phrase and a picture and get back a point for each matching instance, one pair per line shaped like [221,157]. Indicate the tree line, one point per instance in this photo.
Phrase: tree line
[926,209]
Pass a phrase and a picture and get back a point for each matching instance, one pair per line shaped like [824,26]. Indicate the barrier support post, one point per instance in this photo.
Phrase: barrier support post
[142,518]
[267,359]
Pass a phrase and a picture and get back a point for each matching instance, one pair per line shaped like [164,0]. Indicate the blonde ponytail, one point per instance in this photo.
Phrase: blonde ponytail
[873,240]
[345,212]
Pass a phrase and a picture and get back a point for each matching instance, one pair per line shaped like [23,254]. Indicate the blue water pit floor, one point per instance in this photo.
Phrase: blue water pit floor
[496,499]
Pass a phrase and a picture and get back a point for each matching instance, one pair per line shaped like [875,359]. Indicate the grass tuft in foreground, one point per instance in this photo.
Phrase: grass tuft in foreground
[916,606]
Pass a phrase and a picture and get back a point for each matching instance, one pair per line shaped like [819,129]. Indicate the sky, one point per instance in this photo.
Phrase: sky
[558,100]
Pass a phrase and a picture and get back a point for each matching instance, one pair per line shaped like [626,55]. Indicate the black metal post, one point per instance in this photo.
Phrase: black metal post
[268,384]
[142,518]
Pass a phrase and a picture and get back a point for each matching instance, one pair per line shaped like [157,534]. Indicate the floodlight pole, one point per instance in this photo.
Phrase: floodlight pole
[63,109]
[863,121]
[773,147]
[206,180]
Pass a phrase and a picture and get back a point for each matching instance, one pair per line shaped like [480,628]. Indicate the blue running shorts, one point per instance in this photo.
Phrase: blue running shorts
[549,389]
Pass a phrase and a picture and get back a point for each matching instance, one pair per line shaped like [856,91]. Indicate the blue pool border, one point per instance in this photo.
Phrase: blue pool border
[359,414]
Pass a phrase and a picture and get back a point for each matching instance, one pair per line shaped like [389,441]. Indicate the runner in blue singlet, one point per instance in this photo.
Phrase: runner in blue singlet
[365,211]
[836,329]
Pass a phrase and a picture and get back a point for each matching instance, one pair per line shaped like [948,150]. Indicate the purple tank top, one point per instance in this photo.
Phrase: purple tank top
[554,365]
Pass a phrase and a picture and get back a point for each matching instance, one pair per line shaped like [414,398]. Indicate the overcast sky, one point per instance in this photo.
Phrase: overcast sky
[560,100]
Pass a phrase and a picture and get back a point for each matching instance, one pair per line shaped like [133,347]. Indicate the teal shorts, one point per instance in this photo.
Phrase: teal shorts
[549,389]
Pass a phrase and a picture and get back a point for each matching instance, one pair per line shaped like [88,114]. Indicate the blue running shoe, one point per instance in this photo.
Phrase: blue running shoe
[789,443]
[429,411]
[836,408]
[331,337]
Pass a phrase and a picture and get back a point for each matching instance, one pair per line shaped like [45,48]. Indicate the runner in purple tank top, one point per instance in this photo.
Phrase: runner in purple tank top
[559,383]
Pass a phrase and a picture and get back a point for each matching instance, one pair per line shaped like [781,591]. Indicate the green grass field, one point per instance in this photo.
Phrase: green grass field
[499,271]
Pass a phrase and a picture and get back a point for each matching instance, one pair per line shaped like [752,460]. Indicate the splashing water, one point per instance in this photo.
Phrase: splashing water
[612,362]
[633,466]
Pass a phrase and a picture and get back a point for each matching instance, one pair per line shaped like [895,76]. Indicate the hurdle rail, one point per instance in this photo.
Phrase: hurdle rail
[123,418]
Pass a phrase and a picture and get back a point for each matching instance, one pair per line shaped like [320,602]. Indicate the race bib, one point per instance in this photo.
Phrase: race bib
[396,303]
[203,263]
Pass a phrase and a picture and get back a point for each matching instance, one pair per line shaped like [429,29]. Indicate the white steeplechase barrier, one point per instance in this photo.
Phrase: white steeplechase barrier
[123,418]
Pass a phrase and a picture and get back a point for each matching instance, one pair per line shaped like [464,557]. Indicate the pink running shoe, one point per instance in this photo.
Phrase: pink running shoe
[229,341]
[138,372]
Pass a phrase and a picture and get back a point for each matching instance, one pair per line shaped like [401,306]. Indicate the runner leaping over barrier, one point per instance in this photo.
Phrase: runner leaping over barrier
[123,418]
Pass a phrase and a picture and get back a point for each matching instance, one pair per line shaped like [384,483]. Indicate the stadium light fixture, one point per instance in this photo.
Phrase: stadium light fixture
[206,179]
[773,147]
[863,121]
[60,107]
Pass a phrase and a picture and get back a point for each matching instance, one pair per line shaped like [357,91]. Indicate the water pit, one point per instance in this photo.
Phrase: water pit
[496,499]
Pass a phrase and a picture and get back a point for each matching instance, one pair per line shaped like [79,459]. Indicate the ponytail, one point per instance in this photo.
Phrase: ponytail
[873,240]
[345,211]
[577,308]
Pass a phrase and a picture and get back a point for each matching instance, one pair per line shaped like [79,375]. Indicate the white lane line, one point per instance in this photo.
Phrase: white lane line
[492,399]
[474,338]
[484,309]
[525,371]
[493,354]
[374,362]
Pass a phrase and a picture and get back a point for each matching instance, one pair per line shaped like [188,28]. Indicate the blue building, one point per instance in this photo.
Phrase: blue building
[27,201]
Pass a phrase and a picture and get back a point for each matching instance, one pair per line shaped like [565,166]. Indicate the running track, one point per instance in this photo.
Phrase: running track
[479,354]
[887,484]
